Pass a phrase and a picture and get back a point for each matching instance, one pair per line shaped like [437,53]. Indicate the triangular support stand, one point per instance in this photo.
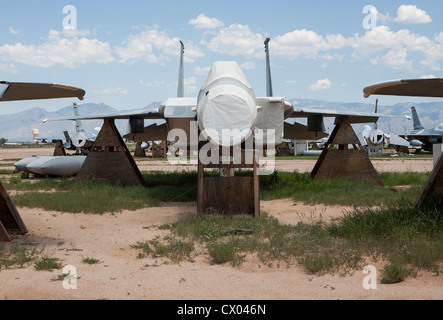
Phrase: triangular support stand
[338,161]
[110,160]
[10,220]
[433,189]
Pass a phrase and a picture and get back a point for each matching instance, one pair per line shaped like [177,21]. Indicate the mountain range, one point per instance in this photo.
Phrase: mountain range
[18,127]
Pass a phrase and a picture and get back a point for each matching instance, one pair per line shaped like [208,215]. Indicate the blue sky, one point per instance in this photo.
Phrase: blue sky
[126,53]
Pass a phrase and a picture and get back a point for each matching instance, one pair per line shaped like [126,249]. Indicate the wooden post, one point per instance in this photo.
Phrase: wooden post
[342,162]
[110,160]
[139,152]
[159,150]
[229,194]
[256,186]
[59,149]
[4,236]
[200,184]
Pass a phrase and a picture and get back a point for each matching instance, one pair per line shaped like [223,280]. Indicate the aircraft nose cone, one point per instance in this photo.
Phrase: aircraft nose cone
[376,136]
[226,107]
[226,119]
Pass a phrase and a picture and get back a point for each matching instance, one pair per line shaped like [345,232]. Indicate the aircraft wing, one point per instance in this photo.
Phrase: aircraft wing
[14,91]
[353,117]
[299,131]
[413,88]
[396,140]
[145,114]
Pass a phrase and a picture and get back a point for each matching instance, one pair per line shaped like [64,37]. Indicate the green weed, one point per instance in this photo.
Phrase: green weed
[412,239]
[47,263]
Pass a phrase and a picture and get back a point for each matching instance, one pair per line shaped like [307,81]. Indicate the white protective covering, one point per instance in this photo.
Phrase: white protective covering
[270,120]
[226,106]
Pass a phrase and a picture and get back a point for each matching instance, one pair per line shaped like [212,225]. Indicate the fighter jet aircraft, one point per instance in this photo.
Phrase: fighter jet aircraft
[422,138]
[375,140]
[81,141]
[60,165]
[419,137]
[227,112]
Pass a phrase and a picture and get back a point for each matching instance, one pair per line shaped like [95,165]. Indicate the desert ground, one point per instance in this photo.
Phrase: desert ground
[121,276]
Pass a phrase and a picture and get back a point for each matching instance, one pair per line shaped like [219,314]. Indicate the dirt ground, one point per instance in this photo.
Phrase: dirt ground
[121,275]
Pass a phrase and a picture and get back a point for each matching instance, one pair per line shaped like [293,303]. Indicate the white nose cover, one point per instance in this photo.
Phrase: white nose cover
[226,108]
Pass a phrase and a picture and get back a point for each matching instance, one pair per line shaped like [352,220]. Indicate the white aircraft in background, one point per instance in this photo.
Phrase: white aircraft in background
[227,103]
[422,138]
[82,140]
[375,140]
[60,165]
[419,137]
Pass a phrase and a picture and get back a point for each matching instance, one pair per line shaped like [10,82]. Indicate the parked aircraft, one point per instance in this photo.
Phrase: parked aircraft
[422,138]
[375,140]
[60,165]
[227,103]
[81,141]
[414,88]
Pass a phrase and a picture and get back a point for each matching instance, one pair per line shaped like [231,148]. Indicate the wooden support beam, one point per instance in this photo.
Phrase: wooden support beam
[256,187]
[159,150]
[4,236]
[338,161]
[433,189]
[139,151]
[59,149]
[109,159]
[229,194]
[200,186]
[10,220]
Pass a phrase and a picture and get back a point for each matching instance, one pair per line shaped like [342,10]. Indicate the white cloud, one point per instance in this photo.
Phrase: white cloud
[8,67]
[154,83]
[236,40]
[381,45]
[321,85]
[155,46]
[58,50]
[383,18]
[204,22]
[411,14]
[71,33]
[309,44]
[428,76]
[202,71]
[13,31]
[191,84]
[117,90]
[248,65]
[397,59]
[401,49]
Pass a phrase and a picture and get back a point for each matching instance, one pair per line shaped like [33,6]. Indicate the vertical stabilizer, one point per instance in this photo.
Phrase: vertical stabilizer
[78,123]
[415,120]
[376,110]
[269,92]
[181,80]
